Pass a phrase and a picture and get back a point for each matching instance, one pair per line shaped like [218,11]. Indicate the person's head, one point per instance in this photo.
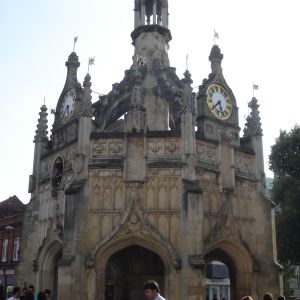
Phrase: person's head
[47,293]
[30,289]
[268,296]
[247,298]
[281,297]
[151,289]
[16,292]
[24,291]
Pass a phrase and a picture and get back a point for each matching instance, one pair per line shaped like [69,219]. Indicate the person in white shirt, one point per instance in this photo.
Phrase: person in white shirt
[151,291]
[16,293]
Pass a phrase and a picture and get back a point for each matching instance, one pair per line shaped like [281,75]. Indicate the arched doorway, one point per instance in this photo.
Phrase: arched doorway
[236,262]
[217,281]
[128,269]
[48,271]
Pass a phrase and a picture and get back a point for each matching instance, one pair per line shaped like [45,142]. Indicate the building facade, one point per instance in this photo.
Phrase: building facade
[11,218]
[152,180]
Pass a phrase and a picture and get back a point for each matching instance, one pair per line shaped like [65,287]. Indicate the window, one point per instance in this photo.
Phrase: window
[58,170]
[4,249]
[16,249]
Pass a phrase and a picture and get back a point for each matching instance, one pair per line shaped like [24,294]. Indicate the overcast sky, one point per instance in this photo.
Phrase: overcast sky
[259,40]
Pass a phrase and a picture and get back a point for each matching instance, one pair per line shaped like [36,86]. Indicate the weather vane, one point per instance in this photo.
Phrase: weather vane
[75,41]
[216,36]
[186,62]
[91,63]
[255,87]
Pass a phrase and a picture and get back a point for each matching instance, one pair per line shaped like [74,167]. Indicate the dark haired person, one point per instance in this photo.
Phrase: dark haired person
[47,293]
[16,293]
[151,291]
[268,296]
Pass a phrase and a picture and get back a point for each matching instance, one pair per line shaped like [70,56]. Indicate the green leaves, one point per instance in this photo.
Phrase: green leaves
[284,161]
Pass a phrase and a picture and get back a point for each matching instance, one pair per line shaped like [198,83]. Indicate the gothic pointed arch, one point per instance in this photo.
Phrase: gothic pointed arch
[47,259]
[136,229]
[236,256]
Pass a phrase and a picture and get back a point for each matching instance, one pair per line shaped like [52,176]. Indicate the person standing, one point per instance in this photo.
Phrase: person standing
[16,293]
[151,291]
[47,293]
[30,290]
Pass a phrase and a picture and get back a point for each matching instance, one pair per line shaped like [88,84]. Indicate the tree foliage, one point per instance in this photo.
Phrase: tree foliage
[284,161]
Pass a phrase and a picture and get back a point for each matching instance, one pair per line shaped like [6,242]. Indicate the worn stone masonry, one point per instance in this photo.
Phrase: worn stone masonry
[152,180]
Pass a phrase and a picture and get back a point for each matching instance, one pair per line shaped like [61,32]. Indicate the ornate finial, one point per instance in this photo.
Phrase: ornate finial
[87,81]
[253,124]
[187,77]
[215,54]
[41,131]
[86,104]
[216,58]
[91,63]
[73,61]
[75,41]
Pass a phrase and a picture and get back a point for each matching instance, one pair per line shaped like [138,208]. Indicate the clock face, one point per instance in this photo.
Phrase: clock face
[68,105]
[219,101]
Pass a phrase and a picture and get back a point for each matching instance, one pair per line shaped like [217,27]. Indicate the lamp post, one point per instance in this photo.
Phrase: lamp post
[5,283]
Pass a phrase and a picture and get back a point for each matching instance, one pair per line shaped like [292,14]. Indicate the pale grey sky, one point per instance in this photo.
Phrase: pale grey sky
[259,40]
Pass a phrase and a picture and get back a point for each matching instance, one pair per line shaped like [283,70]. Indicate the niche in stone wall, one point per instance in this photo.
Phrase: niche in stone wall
[57,173]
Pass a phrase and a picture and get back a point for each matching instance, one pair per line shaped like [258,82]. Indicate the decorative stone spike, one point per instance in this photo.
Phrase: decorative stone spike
[216,58]
[253,124]
[187,78]
[73,61]
[41,132]
[86,105]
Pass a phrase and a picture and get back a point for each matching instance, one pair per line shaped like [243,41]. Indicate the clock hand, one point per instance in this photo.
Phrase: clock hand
[66,110]
[218,103]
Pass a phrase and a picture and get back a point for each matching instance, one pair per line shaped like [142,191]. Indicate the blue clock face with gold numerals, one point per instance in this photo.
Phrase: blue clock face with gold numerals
[218,101]
[68,105]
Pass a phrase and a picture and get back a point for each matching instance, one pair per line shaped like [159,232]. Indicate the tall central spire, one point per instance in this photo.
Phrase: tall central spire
[151,12]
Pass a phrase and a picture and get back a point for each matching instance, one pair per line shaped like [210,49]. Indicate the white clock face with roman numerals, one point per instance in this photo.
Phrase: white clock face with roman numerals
[219,101]
[68,105]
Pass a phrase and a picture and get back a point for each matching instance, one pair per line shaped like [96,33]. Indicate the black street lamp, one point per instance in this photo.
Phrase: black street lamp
[5,283]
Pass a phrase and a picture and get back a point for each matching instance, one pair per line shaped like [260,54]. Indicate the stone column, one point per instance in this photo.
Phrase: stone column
[143,13]
[154,12]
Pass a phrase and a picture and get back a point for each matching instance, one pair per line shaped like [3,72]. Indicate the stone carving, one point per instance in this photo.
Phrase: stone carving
[89,263]
[196,261]
[243,162]
[77,161]
[171,148]
[41,131]
[134,222]
[253,124]
[115,148]
[170,88]
[200,150]
[211,153]
[109,148]
[99,149]
[210,129]
[226,225]
[155,148]
[112,106]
